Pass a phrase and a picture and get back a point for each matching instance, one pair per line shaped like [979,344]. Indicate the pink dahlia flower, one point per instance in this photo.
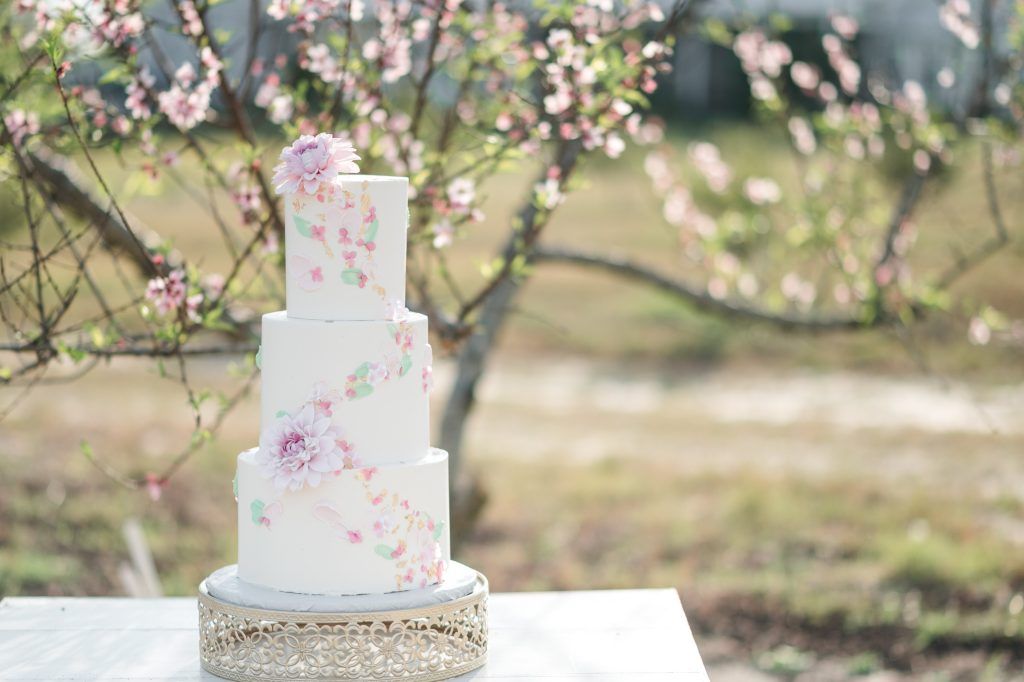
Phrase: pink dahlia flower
[311,161]
[299,449]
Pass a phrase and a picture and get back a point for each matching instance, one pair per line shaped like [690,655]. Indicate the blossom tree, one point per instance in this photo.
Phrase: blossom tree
[103,96]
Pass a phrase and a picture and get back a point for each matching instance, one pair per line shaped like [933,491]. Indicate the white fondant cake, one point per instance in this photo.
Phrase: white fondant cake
[360,531]
[345,248]
[344,495]
[224,584]
[368,374]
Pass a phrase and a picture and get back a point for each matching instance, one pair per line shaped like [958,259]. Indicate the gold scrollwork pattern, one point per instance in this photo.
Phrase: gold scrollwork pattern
[430,643]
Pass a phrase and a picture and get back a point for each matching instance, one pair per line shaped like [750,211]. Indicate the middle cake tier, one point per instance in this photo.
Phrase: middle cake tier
[366,382]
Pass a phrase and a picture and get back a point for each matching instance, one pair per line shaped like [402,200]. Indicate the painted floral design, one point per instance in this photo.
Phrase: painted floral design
[427,373]
[298,449]
[306,273]
[310,162]
[329,514]
[264,514]
[408,537]
[366,377]
[358,235]
[355,238]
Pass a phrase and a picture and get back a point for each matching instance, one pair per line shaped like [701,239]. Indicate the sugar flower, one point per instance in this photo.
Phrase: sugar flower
[311,161]
[299,449]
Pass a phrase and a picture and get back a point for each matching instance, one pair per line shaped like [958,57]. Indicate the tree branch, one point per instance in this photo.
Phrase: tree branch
[696,297]
[63,183]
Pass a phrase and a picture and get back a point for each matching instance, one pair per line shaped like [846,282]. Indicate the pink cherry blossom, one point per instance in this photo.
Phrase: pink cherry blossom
[167,293]
[312,161]
[762,191]
[299,449]
[461,192]
[444,233]
[20,124]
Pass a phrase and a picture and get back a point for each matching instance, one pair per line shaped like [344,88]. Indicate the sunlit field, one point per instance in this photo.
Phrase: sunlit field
[851,501]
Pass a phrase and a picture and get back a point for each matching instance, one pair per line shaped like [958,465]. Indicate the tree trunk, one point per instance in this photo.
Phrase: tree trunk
[468,496]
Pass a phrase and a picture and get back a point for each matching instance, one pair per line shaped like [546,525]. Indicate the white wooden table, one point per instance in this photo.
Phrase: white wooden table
[601,636]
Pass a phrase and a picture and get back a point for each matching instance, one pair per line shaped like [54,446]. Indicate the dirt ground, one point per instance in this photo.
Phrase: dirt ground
[731,484]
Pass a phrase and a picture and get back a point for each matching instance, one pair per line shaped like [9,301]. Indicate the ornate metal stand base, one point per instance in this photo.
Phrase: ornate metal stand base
[430,643]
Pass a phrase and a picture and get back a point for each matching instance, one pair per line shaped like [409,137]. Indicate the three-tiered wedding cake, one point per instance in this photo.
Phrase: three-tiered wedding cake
[343,495]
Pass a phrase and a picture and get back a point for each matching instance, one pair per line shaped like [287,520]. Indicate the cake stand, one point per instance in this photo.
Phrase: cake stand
[250,633]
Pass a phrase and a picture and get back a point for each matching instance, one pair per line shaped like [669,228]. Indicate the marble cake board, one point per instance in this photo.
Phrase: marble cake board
[250,633]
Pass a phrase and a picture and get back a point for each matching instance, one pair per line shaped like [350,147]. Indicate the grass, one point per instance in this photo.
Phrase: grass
[825,553]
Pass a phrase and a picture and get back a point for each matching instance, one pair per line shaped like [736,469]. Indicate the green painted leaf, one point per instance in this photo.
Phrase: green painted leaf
[259,358]
[392,329]
[406,364]
[438,529]
[384,551]
[362,370]
[257,510]
[363,390]
[371,231]
[302,225]
[281,413]
[351,276]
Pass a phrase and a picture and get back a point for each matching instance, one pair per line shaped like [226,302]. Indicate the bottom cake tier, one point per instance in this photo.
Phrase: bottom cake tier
[370,530]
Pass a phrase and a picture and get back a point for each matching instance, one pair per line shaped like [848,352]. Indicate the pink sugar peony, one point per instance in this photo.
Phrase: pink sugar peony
[299,449]
[311,161]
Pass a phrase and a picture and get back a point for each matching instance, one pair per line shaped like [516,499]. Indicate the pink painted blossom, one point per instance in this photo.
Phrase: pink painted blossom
[323,399]
[396,311]
[311,161]
[378,374]
[299,449]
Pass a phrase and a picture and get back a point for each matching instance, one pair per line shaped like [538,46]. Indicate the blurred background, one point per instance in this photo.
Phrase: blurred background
[831,505]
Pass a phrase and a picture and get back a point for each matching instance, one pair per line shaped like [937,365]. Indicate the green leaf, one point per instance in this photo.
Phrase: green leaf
[302,225]
[392,329]
[351,276]
[362,370]
[406,364]
[281,413]
[115,74]
[259,357]
[363,390]
[384,551]
[438,529]
[257,510]
[371,231]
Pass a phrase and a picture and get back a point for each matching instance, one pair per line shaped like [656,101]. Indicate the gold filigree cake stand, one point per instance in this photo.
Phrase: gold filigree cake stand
[430,643]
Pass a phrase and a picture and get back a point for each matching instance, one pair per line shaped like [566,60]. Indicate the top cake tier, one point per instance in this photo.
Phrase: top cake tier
[345,249]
